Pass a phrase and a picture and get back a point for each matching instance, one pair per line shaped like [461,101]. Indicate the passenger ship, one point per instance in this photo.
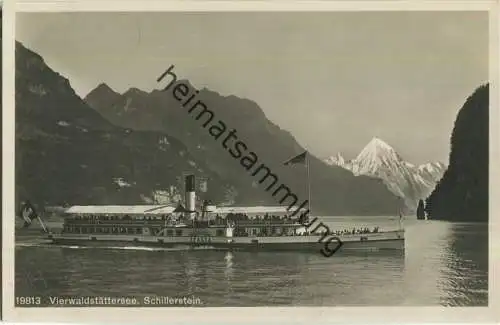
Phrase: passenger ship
[228,228]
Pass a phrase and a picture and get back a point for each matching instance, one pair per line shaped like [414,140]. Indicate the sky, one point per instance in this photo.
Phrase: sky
[334,80]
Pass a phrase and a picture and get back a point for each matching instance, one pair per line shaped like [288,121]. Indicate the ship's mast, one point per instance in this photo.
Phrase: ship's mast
[42,223]
[308,184]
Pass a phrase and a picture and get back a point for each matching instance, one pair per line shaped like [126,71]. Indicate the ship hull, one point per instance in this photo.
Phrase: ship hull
[360,242]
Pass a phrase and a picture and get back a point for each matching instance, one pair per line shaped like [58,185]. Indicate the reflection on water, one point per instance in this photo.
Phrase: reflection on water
[464,278]
[229,265]
[444,264]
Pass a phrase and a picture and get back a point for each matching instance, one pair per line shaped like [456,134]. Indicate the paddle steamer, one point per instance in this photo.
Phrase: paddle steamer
[228,228]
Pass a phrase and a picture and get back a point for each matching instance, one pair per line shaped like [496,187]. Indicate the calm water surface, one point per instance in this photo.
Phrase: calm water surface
[443,264]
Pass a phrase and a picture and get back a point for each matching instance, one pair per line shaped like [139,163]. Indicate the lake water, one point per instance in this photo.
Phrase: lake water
[443,264]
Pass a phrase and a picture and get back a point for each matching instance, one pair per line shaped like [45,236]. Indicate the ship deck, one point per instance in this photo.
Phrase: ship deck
[373,241]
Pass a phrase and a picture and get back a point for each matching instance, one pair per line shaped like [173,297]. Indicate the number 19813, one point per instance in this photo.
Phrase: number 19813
[28,300]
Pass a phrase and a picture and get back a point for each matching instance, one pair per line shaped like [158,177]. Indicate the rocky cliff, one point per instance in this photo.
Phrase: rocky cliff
[462,193]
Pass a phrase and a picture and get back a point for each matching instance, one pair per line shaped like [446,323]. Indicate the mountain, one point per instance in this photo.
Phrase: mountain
[378,159]
[67,153]
[337,160]
[462,192]
[432,171]
[334,191]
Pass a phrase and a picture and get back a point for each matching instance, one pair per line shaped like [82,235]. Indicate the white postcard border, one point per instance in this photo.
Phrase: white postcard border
[249,314]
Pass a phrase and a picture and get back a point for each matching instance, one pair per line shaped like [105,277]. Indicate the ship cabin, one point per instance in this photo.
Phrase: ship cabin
[257,221]
[168,221]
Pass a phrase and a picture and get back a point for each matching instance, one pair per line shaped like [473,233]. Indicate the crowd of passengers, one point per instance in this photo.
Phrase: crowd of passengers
[237,218]
[217,220]
[242,218]
[242,232]
[115,218]
[355,231]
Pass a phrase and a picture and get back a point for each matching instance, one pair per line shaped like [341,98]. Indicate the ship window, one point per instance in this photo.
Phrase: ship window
[254,232]
[219,232]
[170,232]
[178,232]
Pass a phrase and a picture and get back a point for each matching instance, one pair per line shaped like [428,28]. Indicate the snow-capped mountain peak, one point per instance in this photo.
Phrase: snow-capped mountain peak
[431,167]
[375,154]
[379,159]
[337,160]
[409,165]
[375,148]
[432,170]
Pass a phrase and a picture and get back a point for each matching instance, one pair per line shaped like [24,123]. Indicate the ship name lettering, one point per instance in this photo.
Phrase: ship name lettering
[201,239]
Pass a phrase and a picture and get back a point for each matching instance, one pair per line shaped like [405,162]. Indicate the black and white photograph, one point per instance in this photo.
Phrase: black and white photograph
[252,159]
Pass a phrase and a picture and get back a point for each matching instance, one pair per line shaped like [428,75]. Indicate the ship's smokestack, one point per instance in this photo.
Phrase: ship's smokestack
[190,194]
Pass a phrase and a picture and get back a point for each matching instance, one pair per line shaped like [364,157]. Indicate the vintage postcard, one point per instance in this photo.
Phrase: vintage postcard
[173,159]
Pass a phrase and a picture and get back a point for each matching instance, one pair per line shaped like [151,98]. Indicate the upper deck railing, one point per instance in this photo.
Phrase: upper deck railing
[165,221]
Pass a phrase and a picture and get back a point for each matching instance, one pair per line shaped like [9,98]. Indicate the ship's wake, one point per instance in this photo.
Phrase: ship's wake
[129,248]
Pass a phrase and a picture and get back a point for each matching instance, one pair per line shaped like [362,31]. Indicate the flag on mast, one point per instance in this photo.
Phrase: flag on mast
[299,159]
[302,159]
[27,213]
